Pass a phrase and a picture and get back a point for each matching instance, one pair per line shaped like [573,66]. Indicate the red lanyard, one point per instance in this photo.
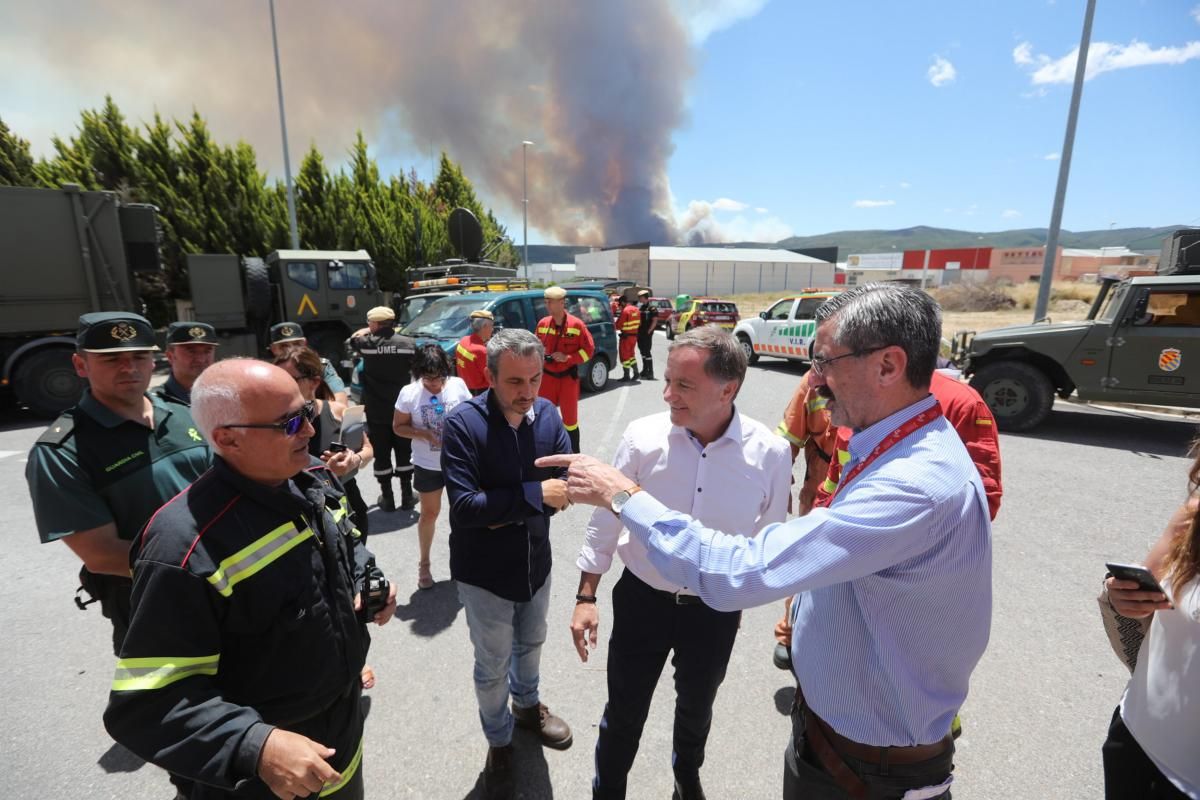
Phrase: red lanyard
[911,425]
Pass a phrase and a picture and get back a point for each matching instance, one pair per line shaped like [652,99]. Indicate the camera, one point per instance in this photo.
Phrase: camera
[374,593]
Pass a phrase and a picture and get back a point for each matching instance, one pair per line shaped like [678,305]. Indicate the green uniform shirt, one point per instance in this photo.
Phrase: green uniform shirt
[92,467]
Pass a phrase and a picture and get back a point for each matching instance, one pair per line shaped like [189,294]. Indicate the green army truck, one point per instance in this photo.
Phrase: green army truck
[1140,344]
[66,252]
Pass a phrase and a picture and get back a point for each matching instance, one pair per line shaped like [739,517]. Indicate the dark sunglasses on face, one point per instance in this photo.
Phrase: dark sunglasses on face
[290,426]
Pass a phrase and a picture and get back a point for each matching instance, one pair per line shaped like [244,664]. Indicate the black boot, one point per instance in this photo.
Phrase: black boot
[647,369]
[387,501]
[573,435]
[407,500]
[624,373]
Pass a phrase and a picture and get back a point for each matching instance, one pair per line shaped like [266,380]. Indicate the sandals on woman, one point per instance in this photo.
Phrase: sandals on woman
[424,576]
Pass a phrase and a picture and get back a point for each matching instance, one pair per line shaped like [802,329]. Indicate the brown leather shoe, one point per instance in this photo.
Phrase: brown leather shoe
[498,773]
[554,732]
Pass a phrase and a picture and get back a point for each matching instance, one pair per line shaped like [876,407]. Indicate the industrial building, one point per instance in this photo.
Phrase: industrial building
[978,264]
[715,271]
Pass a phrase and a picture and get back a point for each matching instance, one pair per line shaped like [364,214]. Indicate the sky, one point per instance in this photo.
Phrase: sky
[726,120]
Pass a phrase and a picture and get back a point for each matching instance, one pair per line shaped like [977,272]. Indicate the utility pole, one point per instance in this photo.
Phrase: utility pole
[287,164]
[525,202]
[1064,168]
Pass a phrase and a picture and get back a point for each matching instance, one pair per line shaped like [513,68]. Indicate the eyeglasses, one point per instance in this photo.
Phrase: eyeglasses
[290,426]
[821,363]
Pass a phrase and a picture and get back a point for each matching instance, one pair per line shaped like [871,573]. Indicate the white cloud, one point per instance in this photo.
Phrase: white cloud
[1010,213]
[725,204]
[941,72]
[873,203]
[1102,57]
[1196,14]
[703,18]
[760,210]
[698,225]
[905,185]
[1051,157]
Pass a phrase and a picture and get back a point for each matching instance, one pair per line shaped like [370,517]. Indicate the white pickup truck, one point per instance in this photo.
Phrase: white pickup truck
[785,330]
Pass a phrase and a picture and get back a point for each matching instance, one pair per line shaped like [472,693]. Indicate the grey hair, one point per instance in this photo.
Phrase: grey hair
[215,402]
[878,315]
[726,360]
[479,323]
[518,341]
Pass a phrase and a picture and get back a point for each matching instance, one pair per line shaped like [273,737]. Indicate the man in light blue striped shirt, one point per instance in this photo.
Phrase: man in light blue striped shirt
[893,578]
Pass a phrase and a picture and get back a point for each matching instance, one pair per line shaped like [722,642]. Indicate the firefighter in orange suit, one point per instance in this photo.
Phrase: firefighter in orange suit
[627,328]
[568,344]
[470,356]
[807,428]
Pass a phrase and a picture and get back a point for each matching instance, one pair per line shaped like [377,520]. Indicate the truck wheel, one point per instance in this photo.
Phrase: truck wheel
[747,348]
[1019,394]
[46,382]
[258,291]
[595,377]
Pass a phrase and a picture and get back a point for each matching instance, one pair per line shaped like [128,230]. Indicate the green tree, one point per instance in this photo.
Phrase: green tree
[16,159]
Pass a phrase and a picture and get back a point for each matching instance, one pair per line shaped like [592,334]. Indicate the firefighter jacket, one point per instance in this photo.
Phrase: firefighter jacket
[627,323]
[572,339]
[470,360]
[243,621]
[387,368]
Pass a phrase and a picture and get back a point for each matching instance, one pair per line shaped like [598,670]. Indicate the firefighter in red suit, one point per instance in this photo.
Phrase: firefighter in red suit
[470,356]
[568,344]
[627,328]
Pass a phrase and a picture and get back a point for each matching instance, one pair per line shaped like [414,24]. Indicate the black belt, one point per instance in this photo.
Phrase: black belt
[566,373]
[677,598]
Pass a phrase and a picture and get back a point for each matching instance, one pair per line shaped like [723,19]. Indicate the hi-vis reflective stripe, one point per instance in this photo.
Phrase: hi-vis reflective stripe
[256,555]
[545,330]
[465,353]
[571,332]
[583,354]
[342,513]
[783,431]
[816,403]
[347,773]
[142,674]
[781,349]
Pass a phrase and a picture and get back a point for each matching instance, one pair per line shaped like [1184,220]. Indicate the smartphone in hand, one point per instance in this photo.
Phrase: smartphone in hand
[337,447]
[1143,577]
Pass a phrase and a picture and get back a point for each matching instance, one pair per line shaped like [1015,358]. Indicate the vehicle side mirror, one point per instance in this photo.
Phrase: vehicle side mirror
[762,315]
[1138,315]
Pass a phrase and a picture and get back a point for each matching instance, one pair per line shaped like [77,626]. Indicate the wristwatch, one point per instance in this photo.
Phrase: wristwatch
[622,497]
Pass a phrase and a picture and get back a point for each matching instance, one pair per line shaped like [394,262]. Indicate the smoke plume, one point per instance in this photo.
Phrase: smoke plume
[599,87]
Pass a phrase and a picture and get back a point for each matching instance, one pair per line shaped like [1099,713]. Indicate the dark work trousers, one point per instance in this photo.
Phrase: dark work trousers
[645,343]
[647,625]
[1129,774]
[805,779]
[358,506]
[387,444]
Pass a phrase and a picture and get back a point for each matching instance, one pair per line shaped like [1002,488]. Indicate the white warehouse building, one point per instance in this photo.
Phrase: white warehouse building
[715,271]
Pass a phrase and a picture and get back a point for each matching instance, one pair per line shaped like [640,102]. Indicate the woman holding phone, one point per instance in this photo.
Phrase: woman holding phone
[1153,745]
[420,415]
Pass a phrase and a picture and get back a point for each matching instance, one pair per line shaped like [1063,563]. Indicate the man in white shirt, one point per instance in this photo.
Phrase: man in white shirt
[704,459]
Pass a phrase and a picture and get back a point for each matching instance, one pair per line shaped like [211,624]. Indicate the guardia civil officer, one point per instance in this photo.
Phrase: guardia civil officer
[645,335]
[241,668]
[387,368]
[287,336]
[105,465]
[191,349]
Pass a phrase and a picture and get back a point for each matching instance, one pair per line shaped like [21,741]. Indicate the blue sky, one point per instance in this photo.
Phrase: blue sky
[806,109]
[798,117]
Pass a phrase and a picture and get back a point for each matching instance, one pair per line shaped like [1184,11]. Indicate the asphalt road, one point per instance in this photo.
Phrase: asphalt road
[1089,486]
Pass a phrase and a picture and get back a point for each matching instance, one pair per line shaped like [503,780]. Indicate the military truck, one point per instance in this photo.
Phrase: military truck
[66,252]
[1139,344]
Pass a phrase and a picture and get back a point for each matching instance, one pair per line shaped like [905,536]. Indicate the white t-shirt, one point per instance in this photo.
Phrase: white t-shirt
[429,411]
[1159,706]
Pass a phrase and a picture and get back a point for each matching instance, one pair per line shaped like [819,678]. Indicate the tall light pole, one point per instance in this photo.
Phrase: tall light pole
[525,145]
[1064,168]
[287,164]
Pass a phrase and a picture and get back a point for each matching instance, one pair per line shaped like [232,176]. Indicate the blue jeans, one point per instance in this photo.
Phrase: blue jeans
[508,638]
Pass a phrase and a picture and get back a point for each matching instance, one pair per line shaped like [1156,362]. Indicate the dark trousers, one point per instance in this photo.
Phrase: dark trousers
[805,779]
[358,506]
[387,446]
[1129,774]
[645,343]
[647,626]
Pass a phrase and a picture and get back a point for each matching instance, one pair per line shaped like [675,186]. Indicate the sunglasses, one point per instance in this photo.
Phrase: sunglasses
[290,426]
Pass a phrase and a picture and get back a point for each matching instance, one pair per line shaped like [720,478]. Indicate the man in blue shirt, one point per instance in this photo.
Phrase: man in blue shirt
[893,578]
[500,509]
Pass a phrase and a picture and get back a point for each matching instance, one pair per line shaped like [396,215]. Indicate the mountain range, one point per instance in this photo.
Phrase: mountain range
[922,237]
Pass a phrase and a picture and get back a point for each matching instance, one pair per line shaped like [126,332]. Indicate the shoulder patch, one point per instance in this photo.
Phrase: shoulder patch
[59,431]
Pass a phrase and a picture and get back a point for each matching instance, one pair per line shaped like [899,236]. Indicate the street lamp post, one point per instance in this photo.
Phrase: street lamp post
[525,202]
[287,164]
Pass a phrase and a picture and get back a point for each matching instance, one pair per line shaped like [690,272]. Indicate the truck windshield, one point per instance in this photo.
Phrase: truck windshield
[444,319]
[1113,303]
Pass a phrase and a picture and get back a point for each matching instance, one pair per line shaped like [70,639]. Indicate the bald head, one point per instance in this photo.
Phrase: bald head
[239,405]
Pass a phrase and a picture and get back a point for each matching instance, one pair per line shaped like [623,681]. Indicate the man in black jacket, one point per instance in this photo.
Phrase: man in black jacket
[241,667]
[500,508]
[645,337]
